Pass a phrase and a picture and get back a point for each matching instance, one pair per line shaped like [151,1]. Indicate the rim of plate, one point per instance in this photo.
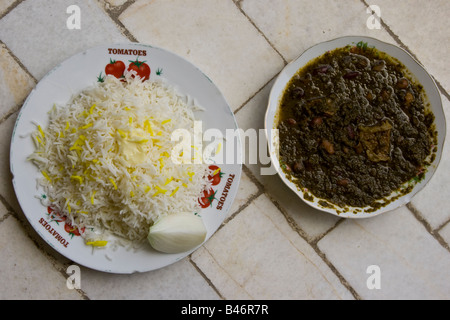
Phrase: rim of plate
[292,67]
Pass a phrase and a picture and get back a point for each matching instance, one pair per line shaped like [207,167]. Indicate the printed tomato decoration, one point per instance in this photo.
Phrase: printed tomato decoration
[55,216]
[216,175]
[208,197]
[142,69]
[73,231]
[115,68]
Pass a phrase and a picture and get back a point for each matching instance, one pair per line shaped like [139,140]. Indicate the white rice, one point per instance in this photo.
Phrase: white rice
[90,157]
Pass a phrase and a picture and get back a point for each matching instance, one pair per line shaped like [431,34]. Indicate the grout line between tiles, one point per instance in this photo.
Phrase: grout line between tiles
[416,213]
[8,207]
[28,230]
[442,226]
[257,91]
[224,270]
[238,5]
[114,14]
[5,216]
[231,217]
[410,206]
[252,178]
[10,210]
[117,10]
[17,60]
[321,236]
[11,8]
[441,89]
[11,111]
[304,236]
[249,199]
[314,246]
[206,278]
[390,32]
[405,47]
[58,266]
[64,274]
[17,107]
[245,205]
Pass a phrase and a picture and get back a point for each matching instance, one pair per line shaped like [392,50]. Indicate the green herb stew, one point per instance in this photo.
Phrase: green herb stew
[354,127]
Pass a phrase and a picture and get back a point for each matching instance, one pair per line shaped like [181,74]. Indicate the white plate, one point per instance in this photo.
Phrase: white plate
[418,72]
[73,76]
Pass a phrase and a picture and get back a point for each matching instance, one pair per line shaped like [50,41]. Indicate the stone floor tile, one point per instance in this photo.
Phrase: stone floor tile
[36,32]
[205,32]
[412,264]
[433,201]
[445,233]
[15,84]
[432,43]
[293,26]
[272,244]
[4,5]
[313,222]
[266,259]
[26,272]
[221,278]
[247,190]
[115,3]
[6,187]
[177,281]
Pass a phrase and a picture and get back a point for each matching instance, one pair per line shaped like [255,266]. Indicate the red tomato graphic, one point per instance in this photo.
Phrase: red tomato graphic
[216,175]
[142,69]
[72,230]
[115,68]
[55,215]
[207,199]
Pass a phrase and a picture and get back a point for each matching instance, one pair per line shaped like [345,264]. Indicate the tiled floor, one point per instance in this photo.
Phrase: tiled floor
[272,245]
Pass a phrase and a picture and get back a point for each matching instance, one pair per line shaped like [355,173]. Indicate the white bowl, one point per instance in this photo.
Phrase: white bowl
[418,72]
